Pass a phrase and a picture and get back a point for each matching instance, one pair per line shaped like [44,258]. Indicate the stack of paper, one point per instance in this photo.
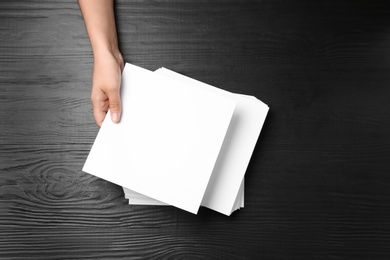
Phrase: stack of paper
[180,142]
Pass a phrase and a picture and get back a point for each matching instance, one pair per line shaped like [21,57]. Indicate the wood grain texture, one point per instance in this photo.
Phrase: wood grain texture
[318,185]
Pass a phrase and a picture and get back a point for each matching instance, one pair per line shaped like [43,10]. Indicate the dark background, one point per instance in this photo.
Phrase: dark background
[317,187]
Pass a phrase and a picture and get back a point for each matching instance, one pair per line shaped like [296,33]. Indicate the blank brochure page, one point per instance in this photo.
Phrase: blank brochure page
[168,139]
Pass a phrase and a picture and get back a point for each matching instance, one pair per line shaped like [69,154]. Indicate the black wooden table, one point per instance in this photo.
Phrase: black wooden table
[318,184]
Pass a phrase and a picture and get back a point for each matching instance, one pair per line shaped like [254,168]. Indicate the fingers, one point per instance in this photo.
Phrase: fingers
[100,106]
[104,99]
[99,118]
[115,105]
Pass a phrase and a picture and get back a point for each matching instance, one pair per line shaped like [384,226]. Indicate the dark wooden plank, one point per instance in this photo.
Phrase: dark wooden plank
[318,186]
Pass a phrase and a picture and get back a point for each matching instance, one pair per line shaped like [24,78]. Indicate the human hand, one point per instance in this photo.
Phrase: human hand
[106,81]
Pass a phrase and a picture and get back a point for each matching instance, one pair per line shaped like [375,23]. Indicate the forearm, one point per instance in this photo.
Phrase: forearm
[100,24]
[99,20]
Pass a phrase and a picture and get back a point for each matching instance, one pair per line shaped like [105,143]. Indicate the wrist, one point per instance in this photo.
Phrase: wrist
[102,54]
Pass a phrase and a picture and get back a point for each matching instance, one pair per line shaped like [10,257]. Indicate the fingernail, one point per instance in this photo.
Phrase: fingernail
[115,117]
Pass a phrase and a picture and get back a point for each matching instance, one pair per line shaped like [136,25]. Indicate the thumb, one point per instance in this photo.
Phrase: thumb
[115,106]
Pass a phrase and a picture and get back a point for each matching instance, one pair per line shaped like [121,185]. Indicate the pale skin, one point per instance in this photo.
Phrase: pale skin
[108,61]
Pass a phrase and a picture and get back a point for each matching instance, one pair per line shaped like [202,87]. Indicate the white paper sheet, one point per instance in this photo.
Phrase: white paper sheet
[167,142]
